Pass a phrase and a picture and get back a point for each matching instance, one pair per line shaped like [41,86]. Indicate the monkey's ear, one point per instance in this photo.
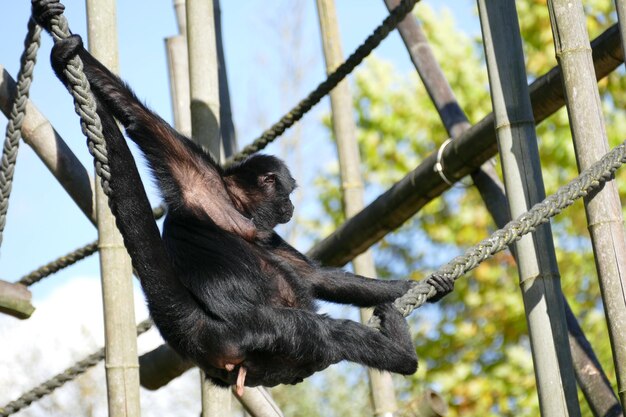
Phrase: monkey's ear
[267,178]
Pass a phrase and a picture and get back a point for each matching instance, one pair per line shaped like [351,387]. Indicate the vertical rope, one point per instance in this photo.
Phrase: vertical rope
[84,104]
[16,119]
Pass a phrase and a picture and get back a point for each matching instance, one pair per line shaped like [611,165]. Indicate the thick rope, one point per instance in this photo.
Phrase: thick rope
[84,105]
[288,120]
[58,264]
[72,257]
[57,381]
[588,180]
[16,119]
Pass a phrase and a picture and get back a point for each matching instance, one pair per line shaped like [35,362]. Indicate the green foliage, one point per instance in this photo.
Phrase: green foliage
[473,346]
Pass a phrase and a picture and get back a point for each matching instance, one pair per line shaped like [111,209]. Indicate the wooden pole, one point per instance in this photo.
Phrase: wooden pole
[121,362]
[258,402]
[15,300]
[620,6]
[604,211]
[430,404]
[381,385]
[589,373]
[539,275]
[178,64]
[205,130]
[163,364]
[227,126]
[203,77]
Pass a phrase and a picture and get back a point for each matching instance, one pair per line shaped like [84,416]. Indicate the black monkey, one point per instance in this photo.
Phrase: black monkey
[222,287]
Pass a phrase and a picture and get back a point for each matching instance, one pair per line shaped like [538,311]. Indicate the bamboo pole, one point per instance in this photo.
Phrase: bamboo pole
[161,365]
[256,401]
[620,6]
[121,362]
[588,370]
[203,77]
[604,211]
[227,127]
[430,404]
[539,275]
[50,147]
[463,156]
[205,130]
[589,373]
[382,392]
[176,47]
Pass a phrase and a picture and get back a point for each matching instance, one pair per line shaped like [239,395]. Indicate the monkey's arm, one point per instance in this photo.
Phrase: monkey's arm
[340,286]
[188,177]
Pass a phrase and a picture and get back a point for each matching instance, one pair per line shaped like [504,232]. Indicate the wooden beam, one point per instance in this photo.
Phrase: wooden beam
[15,300]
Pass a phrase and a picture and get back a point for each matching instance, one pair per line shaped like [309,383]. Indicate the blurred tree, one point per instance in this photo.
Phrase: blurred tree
[473,345]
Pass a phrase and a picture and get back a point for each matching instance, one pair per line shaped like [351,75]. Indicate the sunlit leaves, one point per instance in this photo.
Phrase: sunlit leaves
[473,346]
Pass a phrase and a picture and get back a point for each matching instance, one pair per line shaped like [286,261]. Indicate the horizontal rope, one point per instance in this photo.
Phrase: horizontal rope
[58,264]
[72,257]
[395,16]
[588,180]
[59,380]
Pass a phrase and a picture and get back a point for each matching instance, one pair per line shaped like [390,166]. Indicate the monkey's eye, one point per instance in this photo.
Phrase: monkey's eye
[269,178]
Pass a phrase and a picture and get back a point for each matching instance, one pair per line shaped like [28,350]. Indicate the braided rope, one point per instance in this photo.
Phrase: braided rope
[57,381]
[288,120]
[58,264]
[72,257]
[16,119]
[84,105]
[588,180]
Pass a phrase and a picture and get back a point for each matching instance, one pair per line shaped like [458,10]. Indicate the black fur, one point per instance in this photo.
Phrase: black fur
[222,287]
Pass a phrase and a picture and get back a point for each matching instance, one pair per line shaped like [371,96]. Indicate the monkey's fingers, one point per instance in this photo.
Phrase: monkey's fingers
[241,379]
[443,284]
[44,10]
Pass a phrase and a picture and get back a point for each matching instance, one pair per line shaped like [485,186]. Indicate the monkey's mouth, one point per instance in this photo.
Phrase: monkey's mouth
[286,214]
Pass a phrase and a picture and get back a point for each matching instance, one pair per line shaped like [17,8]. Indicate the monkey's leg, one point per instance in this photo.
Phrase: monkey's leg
[306,337]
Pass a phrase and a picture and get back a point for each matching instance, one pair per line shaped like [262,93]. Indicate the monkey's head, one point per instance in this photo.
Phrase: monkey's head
[263,184]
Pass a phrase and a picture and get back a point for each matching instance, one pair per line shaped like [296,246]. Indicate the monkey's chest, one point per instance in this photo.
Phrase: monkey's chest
[285,290]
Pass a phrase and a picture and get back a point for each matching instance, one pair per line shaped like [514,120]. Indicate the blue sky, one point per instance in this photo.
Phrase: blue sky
[44,223]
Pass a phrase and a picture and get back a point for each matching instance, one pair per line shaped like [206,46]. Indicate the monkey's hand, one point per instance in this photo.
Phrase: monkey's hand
[44,10]
[443,284]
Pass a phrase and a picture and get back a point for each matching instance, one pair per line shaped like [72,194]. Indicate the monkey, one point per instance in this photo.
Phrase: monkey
[222,287]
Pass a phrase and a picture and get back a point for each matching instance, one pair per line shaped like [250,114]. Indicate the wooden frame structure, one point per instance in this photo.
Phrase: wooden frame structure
[517,108]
